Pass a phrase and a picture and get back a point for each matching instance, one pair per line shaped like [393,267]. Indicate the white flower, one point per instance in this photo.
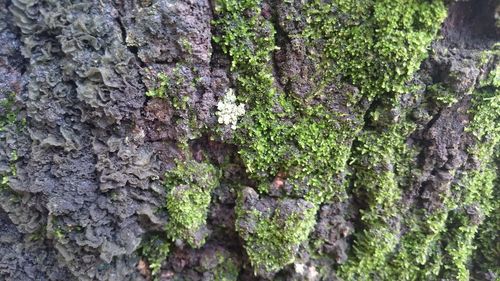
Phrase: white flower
[228,111]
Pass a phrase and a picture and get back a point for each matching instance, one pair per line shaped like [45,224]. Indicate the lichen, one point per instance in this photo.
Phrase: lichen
[228,111]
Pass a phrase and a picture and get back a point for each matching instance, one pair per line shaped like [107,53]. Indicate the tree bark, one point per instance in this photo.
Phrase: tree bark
[249,140]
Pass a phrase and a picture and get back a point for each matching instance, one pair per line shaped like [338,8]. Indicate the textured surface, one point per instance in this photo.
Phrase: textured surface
[368,149]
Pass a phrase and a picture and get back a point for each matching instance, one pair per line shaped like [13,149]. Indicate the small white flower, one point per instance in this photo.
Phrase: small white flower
[228,111]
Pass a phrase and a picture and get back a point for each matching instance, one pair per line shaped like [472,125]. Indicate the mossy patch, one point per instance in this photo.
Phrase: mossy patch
[155,249]
[189,187]
[381,162]
[177,86]
[225,269]
[273,233]
[375,45]
[476,187]
[8,121]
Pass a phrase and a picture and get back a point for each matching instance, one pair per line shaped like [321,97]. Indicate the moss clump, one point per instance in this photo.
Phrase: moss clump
[380,161]
[155,249]
[279,133]
[273,234]
[8,112]
[189,188]
[477,186]
[487,253]
[226,270]
[442,96]
[8,121]
[439,244]
[178,86]
[161,90]
[377,45]
[277,239]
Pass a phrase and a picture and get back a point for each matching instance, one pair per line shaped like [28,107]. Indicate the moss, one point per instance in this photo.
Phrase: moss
[442,96]
[463,228]
[226,270]
[155,249]
[167,87]
[440,244]
[189,188]
[8,121]
[178,87]
[163,85]
[477,186]
[277,236]
[487,253]
[419,257]
[377,45]
[279,133]
[381,161]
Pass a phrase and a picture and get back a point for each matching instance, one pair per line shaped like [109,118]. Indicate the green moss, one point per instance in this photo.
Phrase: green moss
[176,87]
[381,161]
[487,253]
[168,88]
[442,96]
[226,270]
[419,256]
[189,188]
[161,90]
[377,45]
[279,133]
[477,186]
[276,237]
[440,244]
[155,249]
[8,121]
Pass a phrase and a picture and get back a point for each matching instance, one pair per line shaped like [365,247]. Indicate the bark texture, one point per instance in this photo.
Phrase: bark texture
[249,140]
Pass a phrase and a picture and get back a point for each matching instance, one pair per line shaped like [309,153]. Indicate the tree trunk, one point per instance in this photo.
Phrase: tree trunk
[249,140]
